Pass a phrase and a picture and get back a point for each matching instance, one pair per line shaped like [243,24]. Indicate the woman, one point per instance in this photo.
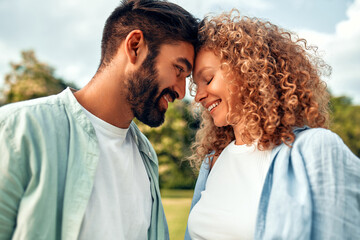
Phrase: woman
[271,169]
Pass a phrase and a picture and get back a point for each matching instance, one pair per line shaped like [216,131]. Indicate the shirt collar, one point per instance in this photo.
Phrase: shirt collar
[142,143]
[73,106]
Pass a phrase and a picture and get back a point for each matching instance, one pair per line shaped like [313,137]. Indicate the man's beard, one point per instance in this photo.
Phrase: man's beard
[143,97]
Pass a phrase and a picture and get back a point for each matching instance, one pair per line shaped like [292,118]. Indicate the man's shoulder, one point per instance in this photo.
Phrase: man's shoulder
[34,108]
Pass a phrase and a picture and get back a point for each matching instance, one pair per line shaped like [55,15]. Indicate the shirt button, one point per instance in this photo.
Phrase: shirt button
[150,154]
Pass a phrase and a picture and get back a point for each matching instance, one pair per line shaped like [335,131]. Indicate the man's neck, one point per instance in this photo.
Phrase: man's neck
[106,101]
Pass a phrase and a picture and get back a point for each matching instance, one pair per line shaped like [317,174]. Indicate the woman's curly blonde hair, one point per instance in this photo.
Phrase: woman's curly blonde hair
[274,86]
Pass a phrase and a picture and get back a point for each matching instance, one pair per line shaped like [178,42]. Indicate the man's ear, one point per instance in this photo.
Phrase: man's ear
[134,45]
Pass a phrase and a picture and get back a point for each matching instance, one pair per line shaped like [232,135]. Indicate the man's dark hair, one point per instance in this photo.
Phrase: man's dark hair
[161,23]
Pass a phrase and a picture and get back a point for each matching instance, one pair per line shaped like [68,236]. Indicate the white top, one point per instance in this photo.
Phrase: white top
[120,202]
[228,207]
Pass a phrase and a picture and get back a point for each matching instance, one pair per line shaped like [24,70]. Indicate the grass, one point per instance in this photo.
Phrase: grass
[177,206]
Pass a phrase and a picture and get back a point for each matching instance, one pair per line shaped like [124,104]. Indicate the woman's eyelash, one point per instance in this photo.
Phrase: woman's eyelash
[208,82]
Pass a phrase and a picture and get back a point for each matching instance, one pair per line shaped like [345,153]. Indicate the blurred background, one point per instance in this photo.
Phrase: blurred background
[46,45]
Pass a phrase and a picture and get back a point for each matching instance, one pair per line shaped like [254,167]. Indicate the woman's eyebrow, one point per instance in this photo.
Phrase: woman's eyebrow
[198,74]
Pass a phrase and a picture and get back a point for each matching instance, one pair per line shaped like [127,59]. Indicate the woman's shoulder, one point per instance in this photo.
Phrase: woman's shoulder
[316,137]
[309,141]
[314,144]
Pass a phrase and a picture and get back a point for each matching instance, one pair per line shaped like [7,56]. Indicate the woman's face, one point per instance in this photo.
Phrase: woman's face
[212,91]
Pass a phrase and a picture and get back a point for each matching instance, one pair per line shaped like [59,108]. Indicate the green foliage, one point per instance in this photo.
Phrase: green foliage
[30,79]
[171,142]
[346,122]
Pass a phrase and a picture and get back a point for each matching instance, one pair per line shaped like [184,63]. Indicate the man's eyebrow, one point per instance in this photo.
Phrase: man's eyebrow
[186,62]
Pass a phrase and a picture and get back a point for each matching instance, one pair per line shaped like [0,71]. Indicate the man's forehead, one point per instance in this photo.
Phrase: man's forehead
[181,52]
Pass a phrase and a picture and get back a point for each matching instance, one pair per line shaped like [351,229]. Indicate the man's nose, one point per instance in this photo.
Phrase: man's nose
[180,88]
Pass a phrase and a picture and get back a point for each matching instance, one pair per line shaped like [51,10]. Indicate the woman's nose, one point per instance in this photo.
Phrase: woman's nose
[200,94]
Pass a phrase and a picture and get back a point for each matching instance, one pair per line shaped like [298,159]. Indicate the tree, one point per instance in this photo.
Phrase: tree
[171,142]
[30,79]
[346,122]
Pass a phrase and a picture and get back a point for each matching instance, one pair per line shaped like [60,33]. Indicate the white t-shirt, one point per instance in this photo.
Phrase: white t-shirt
[120,202]
[227,208]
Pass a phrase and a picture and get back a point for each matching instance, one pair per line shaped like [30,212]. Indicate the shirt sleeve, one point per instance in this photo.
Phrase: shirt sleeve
[12,181]
[334,177]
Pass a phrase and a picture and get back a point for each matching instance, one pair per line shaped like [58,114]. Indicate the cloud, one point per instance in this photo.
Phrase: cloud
[200,8]
[350,28]
[342,51]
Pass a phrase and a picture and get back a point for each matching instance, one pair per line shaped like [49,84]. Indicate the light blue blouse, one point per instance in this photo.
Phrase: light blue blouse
[312,190]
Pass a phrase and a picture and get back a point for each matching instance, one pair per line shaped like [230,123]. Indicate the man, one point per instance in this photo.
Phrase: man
[74,165]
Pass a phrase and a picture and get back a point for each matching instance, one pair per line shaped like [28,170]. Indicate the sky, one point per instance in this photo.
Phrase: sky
[66,34]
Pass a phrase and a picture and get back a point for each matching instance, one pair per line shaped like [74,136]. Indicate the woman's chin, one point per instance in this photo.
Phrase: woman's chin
[220,123]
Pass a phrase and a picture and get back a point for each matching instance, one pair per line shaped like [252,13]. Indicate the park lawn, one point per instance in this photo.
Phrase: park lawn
[177,206]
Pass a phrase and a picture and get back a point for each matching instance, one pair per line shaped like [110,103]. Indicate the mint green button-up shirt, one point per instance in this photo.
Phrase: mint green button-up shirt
[48,157]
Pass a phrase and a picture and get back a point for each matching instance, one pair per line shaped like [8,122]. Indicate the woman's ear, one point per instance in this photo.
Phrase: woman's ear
[134,45]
